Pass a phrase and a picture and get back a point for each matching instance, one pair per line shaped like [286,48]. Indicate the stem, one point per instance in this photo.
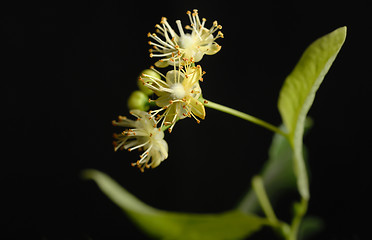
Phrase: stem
[300,211]
[244,116]
[264,201]
[282,228]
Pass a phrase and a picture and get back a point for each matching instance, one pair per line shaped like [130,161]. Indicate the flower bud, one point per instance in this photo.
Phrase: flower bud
[140,84]
[138,100]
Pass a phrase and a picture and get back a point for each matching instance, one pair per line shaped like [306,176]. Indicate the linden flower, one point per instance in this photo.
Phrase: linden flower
[178,94]
[142,135]
[173,46]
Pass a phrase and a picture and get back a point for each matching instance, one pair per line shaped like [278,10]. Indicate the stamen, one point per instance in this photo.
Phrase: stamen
[170,29]
[154,69]
[157,45]
[197,16]
[155,37]
[180,29]
[161,55]
[138,146]
[203,22]
[134,114]
[146,153]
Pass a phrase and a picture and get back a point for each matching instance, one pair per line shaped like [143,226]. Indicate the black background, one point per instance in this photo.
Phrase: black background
[69,68]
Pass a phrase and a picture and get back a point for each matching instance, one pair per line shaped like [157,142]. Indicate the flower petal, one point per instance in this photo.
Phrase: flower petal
[213,49]
[124,122]
[193,76]
[174,76]
[162,64]
[197,108]
[171,114]
[163,100]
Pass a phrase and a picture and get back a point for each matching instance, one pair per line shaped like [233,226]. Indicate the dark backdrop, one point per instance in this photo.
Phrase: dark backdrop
[69,68]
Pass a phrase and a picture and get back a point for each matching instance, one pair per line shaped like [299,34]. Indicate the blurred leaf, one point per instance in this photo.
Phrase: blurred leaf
[310,226]
[171,225]
[277,173]
[298,93]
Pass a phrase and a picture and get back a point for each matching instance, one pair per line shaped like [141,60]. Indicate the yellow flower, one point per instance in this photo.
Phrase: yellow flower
[143,135]
[185,45]
[178,94]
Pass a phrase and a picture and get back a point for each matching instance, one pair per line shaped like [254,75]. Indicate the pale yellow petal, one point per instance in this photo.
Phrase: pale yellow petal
[197,108]
[194,75]
[162,64]
[214,48]
[163,100]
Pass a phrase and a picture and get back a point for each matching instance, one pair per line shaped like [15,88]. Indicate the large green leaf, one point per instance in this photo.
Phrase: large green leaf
[298,93]
[171,225]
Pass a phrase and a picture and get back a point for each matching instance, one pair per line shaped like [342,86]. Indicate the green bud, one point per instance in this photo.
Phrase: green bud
[138,100]
[143,87]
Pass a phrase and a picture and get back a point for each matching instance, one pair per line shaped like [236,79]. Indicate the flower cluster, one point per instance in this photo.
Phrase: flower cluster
[178,91]
[142,133]
[173,47]
[178,95]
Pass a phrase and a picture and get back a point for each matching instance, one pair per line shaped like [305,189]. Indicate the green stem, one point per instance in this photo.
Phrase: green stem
[244,116]
[264,201]
[300,211]
[281,227]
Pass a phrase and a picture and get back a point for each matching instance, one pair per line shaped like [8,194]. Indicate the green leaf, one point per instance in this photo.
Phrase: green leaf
[310,227]
[171,225]
[298,93]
